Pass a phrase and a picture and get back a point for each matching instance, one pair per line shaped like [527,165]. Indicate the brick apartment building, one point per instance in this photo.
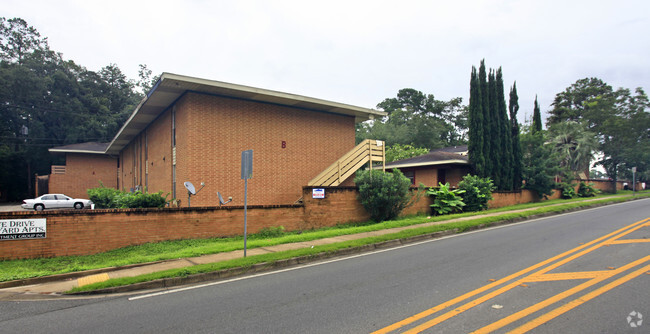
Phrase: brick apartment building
[191,129]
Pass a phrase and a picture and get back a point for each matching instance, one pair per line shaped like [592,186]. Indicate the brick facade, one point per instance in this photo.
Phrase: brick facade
[290,146]
[84,171]
[431,175]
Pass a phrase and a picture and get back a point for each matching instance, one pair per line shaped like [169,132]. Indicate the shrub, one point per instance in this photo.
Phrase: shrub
[445,200]
[384,195]
[568,189]
[103,197]
[478,191]
[140,200]
[587,190]
[107,198]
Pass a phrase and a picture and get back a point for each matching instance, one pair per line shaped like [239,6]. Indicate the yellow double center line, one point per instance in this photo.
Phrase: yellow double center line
[541,275]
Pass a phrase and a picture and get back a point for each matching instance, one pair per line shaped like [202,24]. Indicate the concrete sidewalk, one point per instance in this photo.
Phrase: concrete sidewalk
[54,286]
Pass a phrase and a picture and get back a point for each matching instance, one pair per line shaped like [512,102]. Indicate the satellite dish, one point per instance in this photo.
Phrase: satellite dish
[190,187]
[221,202]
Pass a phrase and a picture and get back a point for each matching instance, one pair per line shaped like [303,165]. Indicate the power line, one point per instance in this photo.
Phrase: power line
[42,109]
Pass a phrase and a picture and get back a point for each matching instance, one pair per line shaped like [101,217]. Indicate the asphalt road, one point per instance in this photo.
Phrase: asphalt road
[509,278]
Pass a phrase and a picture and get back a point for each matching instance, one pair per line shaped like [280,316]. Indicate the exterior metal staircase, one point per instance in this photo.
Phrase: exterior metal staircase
[368,151]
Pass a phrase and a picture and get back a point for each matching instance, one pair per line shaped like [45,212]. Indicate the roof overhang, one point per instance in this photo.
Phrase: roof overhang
[170,87]
[85,148]
[428,163]
[58,150]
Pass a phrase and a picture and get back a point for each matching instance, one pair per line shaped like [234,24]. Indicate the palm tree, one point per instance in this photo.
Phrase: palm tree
[574,144]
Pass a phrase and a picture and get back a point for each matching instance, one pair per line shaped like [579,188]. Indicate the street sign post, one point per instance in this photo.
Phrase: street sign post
[246,173]
[633,181]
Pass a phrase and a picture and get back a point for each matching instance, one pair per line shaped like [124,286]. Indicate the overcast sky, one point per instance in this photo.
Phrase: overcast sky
[357,52]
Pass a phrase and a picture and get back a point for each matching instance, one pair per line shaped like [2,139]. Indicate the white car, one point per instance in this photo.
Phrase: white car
[55,201]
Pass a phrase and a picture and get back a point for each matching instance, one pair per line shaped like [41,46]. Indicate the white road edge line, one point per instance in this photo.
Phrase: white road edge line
[355,256]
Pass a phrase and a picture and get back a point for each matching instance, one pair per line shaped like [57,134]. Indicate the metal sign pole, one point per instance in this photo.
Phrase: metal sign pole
[245,212]
[633,181]
[246,173]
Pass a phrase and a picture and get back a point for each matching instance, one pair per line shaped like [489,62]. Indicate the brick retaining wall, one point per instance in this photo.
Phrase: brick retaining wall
[71,232]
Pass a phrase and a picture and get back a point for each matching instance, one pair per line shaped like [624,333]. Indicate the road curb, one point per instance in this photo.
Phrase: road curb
[72,275]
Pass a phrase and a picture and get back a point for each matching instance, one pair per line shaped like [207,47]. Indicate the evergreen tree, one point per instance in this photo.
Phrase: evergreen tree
[513,107]
[541,165]
[492,132]
[475,131]
[486,148]
[537,117]
[504,133]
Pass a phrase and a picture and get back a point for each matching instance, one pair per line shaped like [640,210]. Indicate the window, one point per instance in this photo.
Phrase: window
[442,176]
[411,176]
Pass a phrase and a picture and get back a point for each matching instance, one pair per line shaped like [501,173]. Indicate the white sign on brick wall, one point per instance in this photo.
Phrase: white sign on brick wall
[21,229]
[318,193]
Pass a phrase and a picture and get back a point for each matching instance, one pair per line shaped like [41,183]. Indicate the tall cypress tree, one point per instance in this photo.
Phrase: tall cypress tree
[537,117]
[475,133]
[504,133]
[517,167]
[486,148]
[492,135]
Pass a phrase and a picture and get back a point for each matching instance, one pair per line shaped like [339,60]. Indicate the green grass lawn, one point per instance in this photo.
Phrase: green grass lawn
[20,269]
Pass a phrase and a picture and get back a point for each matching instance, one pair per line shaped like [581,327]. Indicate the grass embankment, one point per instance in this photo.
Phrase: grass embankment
[18,269]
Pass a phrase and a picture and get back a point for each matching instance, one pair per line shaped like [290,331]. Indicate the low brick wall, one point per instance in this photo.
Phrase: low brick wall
[71,232]
[507,198]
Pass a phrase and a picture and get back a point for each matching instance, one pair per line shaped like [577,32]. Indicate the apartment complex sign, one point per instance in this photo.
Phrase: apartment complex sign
[20,229]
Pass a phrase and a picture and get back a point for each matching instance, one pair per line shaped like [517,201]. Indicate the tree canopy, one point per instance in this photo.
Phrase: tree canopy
[47,101]
[619,119]
[418,119]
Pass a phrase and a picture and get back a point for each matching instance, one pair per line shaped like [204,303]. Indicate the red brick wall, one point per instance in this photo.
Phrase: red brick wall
[428,175]
[84,171]
[159,156]
[93,231]
[213,131]
[82,232]
[608,186]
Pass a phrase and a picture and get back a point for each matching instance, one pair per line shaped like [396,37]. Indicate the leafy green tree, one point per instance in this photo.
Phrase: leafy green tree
[398,152]
[383,195]
[417,119]
[571,104]
[537,117]
[619,119]
[47,101]
[146,80]
[540,165]
[19,40]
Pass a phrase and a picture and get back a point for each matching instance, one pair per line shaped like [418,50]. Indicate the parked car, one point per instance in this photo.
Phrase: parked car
[55,201]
